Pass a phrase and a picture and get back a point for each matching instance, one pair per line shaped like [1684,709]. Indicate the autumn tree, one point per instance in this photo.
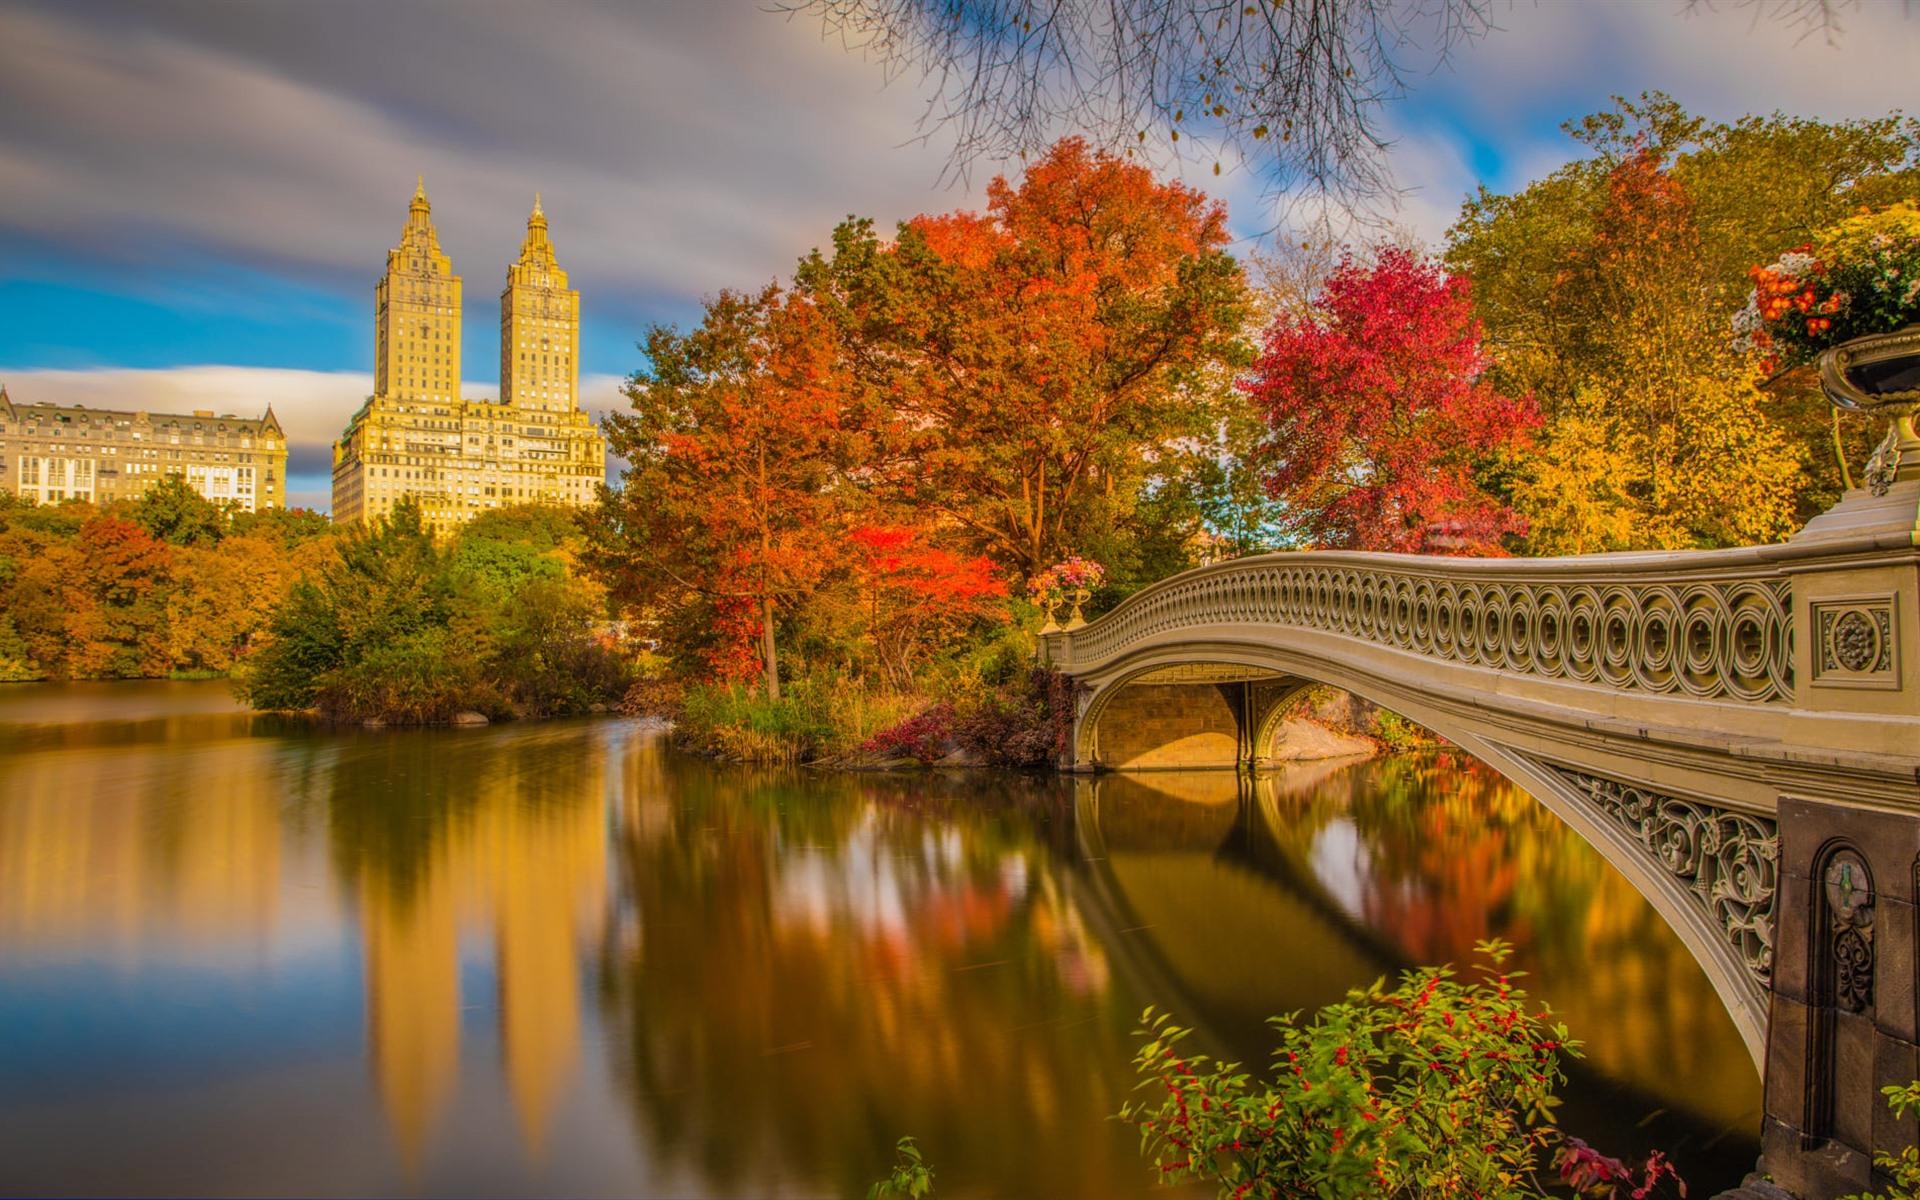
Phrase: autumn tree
[1036,363]
[911,594]
[734,500]
[112,581]
[1743,192]
[1380,418]
[1667,442]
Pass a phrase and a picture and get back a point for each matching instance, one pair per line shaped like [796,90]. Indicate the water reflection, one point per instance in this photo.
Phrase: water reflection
[559,958]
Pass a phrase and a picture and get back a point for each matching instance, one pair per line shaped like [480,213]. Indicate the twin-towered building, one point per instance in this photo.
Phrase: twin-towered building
[417,436]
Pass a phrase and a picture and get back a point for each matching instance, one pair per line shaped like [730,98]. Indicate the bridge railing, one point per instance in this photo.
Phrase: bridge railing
[1713,625]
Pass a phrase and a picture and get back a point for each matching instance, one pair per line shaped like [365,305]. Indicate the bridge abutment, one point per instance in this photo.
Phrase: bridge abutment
[1844,1021]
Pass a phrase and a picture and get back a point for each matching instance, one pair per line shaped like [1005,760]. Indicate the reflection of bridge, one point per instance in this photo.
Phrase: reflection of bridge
[1737,731]
[1209,900]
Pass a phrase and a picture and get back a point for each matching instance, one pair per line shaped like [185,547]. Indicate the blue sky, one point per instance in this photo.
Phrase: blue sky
[196,199]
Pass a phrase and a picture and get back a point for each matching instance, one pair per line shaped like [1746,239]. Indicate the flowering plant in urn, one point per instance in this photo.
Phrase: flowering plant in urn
[1850,299]
[1859,277]
[1072,580]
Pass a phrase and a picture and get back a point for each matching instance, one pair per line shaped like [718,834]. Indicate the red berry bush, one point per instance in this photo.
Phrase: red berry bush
[1439,1087]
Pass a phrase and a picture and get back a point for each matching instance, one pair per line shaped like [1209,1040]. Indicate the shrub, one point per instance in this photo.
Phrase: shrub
[1025,726]
[1439,1087]
[923,737]
[910,1178]
[1903,1168]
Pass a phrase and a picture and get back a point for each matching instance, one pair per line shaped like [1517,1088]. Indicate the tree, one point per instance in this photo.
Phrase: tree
[1689,455]
[112,582]
[1742,192]
[1295,89]
[1380,420]
[1034,363]
[735,498]
[176,514]
[913,594]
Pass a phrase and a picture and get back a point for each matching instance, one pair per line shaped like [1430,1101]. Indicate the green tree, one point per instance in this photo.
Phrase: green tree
[176,514]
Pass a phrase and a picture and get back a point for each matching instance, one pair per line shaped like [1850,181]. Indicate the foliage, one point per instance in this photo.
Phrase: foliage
[1903,1168]
[817,718]
[1548,267]
[1858,277]
[1027,367]
[910,1178]
[1021,724]
[736,446]
[398,629]
[176,514]
[913,595]
[166,584]
[1438,1087]
[1380,419]
[923,737]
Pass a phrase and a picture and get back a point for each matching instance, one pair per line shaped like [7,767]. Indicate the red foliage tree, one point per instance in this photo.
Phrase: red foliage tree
[1379,418]
[915,594]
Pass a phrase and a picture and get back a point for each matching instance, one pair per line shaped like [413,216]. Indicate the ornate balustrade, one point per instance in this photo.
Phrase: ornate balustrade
[1717,627]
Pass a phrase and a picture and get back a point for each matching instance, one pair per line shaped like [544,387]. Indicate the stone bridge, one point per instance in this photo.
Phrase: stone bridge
[1737,731]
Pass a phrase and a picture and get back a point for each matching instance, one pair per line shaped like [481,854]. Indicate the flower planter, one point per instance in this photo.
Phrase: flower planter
[1875,373]
[1880,374]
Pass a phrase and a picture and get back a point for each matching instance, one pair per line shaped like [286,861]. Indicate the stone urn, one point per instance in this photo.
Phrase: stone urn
[1880,374]
[1080,596]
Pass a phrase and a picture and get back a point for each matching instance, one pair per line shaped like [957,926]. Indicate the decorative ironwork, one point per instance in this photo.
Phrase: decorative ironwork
[1710,638]
[1849,895]
[1729,860]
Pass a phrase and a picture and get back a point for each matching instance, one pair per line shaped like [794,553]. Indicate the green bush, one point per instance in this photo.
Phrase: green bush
[910,1179]
[1436,1088]
[1903,1168]
[405,631]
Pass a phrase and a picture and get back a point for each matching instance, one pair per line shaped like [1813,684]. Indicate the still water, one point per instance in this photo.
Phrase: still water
[242,955]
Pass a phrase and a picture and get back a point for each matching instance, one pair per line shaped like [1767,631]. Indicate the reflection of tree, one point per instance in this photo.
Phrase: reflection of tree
[811,968]
[1452,853]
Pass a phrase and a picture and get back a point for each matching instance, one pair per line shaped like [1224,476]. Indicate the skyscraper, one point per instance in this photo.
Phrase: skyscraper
[417,436]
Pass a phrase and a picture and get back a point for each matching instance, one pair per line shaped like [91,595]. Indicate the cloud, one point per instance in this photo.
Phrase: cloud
[313,406]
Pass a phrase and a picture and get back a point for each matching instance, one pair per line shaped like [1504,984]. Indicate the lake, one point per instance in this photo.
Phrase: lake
[240,954]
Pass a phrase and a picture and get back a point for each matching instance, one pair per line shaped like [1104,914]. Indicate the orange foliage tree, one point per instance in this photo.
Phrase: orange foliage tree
[735,498]
[1035,361]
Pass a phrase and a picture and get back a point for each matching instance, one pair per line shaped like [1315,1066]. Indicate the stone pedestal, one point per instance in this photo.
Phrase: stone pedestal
[1844,1020]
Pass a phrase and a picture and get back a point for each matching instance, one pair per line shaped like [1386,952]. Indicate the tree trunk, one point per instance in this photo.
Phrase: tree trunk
[767,653]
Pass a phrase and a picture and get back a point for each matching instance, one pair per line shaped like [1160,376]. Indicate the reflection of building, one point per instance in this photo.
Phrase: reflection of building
[50,453]
[83,864]
[415,436]
[535,873]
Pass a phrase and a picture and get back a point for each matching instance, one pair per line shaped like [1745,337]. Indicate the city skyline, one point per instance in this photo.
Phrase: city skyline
[163,231]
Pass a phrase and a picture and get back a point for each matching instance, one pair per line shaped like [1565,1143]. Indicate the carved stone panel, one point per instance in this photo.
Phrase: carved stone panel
[1855,643]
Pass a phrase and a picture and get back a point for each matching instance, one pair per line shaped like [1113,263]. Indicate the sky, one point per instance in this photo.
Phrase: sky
[196,198]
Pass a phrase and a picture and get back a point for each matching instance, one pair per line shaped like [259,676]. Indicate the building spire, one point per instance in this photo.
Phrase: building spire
[420,204]
[538,214]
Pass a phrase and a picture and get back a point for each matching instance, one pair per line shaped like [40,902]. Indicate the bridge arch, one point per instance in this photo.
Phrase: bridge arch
[1736,954]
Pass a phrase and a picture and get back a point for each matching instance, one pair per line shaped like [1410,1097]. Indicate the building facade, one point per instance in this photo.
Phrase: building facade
[417,436]
[51,452]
